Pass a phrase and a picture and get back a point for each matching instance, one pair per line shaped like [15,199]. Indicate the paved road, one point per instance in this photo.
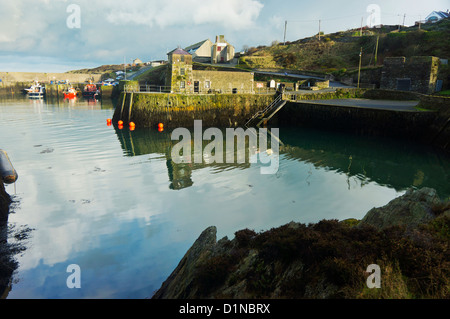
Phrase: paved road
[141,70]
[373,104]
[333,84]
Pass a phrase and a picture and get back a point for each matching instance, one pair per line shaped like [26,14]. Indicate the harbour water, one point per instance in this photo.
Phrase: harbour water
[112,202]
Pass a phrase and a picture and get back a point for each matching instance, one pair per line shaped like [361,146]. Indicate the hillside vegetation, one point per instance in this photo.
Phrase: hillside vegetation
[340,50]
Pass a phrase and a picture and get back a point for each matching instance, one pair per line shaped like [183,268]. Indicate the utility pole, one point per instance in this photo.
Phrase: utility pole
[404,16]
[360,30]
[319,30]
[420,21]
[285,27]
[359,69]
[125,67]
[376,50]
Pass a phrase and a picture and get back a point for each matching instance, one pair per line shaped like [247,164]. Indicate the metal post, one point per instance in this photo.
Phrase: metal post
[376,51]
[319,30]
[359,69]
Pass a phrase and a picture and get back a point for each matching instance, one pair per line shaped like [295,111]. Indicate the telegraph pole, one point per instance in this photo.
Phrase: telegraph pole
[404,16]
[319,30]
[360,30]
[359,69]
[285,27]
[376,50]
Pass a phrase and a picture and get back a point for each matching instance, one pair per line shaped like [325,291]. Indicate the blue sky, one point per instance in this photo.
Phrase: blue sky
[35,34]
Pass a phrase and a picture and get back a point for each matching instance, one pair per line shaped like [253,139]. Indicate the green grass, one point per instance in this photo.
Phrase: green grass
[444,93]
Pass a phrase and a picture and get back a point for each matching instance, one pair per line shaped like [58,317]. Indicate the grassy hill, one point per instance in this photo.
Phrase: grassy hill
[340,51]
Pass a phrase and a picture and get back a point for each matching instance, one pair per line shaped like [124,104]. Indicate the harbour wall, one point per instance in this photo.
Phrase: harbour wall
[429,124]
[9,78]
[180,110]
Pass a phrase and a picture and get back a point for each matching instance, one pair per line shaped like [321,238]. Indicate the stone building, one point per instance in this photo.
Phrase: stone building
[182,78]
[418,74]
[179,76]
[222,51]
[201,51]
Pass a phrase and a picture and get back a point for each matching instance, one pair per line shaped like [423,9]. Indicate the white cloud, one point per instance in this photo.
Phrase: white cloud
[234,14]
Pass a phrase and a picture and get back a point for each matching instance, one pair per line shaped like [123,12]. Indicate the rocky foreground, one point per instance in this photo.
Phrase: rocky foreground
[408,238]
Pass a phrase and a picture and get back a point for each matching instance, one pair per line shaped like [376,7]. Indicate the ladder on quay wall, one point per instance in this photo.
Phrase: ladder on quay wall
[267,113]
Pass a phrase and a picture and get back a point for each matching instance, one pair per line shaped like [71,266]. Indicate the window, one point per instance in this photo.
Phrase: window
[182,58]
[182,71]
[182,85]
[219,49]
[207,84]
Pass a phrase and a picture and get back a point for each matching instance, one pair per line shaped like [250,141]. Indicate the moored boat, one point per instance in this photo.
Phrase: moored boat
[91,91]
[35,91]
[71,93]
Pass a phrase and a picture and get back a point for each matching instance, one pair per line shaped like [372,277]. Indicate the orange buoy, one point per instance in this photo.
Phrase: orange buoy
[160,129]
[132,128]
[120,127]
[132,124]
[108,121]
[120,122]
[160,125]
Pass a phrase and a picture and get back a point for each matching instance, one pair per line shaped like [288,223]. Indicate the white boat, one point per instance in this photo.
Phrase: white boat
[36,90]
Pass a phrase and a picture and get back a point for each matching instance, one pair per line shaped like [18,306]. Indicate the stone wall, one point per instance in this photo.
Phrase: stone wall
[12,77]
[420,71]
[224,81]
[410,125]
[180,110]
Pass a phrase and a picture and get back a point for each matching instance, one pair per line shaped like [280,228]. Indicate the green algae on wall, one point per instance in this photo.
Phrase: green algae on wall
[180,110]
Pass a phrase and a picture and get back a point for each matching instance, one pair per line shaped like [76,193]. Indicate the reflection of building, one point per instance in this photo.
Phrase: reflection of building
[183,78]
[180,175]
[418,74]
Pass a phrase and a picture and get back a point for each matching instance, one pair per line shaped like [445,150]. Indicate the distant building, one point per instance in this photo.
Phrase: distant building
[201,51]
[137,62]
[222,51]
[418,74]
[436,16]
[182,78]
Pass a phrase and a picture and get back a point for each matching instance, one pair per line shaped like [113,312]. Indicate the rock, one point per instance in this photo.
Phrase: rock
[180,283]
[410,210]
[5,200]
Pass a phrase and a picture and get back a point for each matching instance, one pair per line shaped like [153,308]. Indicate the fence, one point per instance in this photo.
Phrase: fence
[167,89]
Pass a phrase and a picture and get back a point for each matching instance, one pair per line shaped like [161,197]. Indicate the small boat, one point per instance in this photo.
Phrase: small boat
[71,93]
[35,91]
[7,172]
[91,91]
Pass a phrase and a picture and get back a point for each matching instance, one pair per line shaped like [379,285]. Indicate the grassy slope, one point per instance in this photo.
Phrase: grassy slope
[340,50]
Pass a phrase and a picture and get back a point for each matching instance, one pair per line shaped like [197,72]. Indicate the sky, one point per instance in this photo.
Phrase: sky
[63,35]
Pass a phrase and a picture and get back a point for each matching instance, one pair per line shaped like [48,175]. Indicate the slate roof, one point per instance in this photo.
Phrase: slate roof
[178,51]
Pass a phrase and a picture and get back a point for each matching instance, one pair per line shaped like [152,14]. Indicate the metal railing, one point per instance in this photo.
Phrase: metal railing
[266,109]
[167,89]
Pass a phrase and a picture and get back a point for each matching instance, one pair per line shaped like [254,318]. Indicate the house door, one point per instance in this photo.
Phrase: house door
[404,84]
[196,86]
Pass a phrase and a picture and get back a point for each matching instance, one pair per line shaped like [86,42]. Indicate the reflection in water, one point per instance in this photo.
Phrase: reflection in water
[105,199]
[148,141]
[397,164]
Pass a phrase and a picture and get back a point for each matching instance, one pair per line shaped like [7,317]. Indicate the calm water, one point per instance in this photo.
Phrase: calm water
[114,203]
